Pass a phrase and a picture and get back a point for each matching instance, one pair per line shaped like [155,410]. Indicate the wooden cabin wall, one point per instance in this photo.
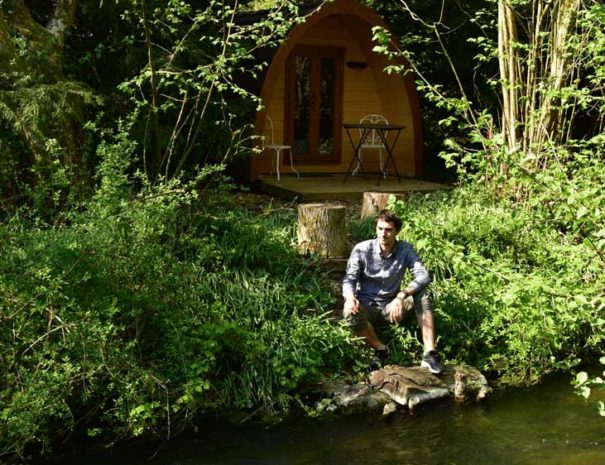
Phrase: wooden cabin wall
[365,91]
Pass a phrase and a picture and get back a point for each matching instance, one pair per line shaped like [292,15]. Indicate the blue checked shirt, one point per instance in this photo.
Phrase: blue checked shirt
[376,280]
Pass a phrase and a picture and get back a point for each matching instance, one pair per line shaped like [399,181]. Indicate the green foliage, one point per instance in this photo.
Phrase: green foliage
[513,295]
[190,99]
[45,164]
[181,73]
[458,77]
[584,385]
[151,305]
[42,111]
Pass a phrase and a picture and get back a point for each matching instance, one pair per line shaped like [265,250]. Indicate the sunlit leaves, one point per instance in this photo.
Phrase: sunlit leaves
[514,296]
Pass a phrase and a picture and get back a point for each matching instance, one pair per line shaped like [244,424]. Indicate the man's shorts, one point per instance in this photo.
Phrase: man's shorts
[377,314]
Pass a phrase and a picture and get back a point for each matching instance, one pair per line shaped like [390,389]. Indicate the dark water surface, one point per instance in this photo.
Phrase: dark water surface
[544,425]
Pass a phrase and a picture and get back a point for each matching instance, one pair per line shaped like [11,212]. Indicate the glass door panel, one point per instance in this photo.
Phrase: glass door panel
[302,104]
[314,103]
[326,106]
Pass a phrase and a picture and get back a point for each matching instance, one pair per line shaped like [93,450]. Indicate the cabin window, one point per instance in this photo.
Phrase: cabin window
[314,103]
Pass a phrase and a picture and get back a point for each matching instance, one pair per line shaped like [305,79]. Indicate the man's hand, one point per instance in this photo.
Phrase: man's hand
[351,306]
[395,310]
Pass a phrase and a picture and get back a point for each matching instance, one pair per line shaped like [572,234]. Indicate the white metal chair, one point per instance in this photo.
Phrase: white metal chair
[277,148]
[373,141]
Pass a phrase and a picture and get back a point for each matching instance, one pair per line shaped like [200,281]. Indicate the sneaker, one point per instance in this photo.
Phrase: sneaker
[432,361]
[379,358]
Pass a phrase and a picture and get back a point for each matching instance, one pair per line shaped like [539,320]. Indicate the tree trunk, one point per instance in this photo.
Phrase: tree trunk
[44,56]
[508,58]
[559,73]
[321,230]
[373,202]
[534,71]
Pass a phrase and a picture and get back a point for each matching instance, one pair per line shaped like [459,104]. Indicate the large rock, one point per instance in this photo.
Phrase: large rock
[394,386]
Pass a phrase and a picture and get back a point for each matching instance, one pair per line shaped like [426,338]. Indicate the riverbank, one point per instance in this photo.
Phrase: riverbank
[141,316]
[543,425]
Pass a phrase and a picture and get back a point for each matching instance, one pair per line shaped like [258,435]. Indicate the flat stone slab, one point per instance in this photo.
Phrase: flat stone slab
[410,386]
[396,386]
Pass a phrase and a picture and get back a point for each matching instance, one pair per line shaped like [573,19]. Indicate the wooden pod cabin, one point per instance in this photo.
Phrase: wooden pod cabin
[324,75]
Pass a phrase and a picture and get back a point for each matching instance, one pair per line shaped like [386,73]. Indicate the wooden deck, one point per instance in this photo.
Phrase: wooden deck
[320,186]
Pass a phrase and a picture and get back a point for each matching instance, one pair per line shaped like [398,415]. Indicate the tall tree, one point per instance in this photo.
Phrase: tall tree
[548,74]
[535,68]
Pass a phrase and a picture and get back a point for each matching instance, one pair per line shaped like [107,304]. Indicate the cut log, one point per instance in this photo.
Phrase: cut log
[321,230]
[373,202]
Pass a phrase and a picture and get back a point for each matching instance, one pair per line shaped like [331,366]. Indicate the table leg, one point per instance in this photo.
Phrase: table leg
[389,148]
[356,157]
[292,163]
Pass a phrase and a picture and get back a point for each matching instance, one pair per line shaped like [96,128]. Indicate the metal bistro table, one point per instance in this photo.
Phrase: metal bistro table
[365,130]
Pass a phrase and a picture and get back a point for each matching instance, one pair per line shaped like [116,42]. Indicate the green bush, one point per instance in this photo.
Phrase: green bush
[142,310]
[513,295]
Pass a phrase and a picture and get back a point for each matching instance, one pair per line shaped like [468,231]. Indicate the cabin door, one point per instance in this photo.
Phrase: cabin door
[313,107]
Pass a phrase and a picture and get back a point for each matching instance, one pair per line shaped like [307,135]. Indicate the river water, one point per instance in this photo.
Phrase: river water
[545,425]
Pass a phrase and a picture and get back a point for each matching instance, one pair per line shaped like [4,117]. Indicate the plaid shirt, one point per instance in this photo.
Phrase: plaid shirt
[375,279]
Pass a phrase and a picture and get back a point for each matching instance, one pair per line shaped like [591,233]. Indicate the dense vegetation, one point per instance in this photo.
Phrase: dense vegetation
[146,310]
[137,294]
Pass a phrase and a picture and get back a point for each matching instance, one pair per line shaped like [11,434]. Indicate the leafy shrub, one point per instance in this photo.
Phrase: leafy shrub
[513,295]
[149,306]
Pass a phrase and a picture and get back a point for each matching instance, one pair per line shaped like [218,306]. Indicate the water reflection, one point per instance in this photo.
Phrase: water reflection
[546,425]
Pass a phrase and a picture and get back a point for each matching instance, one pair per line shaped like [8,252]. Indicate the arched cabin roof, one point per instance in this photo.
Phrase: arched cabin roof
[264,82]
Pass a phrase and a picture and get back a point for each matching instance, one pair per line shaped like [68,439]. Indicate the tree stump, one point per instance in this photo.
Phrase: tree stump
[373,202]
[321,230]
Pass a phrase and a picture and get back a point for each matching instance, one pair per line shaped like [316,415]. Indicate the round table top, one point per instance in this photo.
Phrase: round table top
[384,127]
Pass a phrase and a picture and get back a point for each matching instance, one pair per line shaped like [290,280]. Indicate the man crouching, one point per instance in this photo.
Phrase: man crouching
[371,289]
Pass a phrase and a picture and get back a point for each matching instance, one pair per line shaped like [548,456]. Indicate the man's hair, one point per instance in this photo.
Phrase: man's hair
[389,217]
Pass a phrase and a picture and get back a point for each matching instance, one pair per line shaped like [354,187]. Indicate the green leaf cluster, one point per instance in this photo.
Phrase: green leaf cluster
[513,296]
[152,305]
